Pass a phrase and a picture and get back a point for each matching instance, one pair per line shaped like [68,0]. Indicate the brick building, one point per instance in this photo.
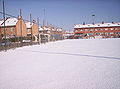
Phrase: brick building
[15,27]
[32,28]
[69,35]
[52,33]
[101,30]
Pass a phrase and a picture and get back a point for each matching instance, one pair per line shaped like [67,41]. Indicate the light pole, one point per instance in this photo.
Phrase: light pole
[31,28]
[4,23]
[93,26]
[38,31]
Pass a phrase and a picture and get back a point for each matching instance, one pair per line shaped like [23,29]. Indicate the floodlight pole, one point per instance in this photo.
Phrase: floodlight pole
[31,27]
[21,21]
[4,22]
[38,30]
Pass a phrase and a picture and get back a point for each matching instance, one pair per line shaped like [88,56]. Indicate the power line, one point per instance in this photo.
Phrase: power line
[6,14]
[13,16]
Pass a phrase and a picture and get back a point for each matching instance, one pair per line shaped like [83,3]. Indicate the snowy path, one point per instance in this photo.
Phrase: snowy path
[68,64]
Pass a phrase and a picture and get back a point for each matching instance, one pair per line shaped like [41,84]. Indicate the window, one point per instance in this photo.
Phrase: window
[2,35]
[102,33]
[86,29]
[112,29]
[116,28]
[106,33]
[28,30]
[81,30]
[97,33]
[91,29]
[106,29]
[111,32]
[96,29]
[12,29]
[90,34]
[117,33]
[76,30]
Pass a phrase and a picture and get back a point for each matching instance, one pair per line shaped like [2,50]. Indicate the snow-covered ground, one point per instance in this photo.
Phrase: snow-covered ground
[68,64]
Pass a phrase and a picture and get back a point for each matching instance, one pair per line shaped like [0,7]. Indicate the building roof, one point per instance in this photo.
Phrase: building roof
[97,25]
[44,28]
[28,24]
[9,22]
[40,29]
[59,29]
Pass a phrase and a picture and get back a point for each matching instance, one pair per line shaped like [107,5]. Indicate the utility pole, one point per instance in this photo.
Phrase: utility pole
[44,19]
[93,32]
[31,27]
[38,23]
[4,23]
[21,23]
[38,30]
[93,18]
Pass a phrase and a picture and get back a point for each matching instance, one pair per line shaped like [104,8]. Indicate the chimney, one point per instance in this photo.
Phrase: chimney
[102,22]
[19,17]
[83,23]
[34,21]
[113,22]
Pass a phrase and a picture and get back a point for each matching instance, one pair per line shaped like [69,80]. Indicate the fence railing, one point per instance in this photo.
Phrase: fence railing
[15,45]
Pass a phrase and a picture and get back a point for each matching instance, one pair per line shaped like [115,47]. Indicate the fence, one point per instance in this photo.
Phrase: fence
[15,45]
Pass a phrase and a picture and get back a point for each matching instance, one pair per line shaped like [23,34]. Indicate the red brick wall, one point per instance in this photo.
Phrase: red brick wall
[15,30]
[11,30]
[103,32]
[21,28]
[35,29]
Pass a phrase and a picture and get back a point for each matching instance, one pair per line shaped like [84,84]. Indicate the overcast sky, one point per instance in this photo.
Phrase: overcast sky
[65,13]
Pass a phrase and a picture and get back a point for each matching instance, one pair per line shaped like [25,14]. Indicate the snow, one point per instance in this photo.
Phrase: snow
[97,25]
[44,28]
[68,64]
[10,22]
[40,29]
[59,29]
[29,24]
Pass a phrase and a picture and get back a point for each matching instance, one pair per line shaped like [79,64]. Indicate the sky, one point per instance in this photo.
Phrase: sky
[65,13]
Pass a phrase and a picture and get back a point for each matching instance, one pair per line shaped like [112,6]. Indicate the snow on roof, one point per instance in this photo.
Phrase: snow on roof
[28,24]
[97,25]
[53,29]
[10,22]
[59,29]
[48,29]
[69,31]
[44,28]
[40,29]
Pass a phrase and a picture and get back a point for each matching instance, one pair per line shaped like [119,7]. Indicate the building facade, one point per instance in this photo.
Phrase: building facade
[51,33]
[32,30]
[101,30]
[14,27]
